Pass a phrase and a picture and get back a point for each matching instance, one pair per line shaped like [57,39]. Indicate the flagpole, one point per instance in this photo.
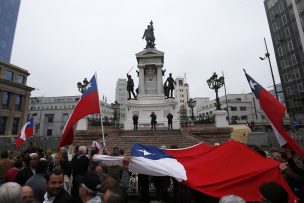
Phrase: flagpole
[101,123]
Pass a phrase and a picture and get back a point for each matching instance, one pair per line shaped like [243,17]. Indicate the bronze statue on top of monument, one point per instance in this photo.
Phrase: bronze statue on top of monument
[149,36]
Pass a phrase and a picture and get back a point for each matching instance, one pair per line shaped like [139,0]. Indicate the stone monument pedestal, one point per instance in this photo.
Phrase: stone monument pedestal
[220,119]
[143,109]
[151,97]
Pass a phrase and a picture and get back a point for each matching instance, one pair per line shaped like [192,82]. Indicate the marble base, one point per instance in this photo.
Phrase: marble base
[220,119]
[145,105]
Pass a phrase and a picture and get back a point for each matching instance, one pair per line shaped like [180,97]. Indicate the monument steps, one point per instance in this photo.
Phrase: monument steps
[126,139]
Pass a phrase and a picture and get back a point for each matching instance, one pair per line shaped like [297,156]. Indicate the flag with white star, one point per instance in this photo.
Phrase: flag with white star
[87,104]
[274,111]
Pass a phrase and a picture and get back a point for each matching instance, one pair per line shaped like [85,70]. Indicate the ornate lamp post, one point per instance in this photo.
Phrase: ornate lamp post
[81,86]
[216,83]
[191,103]
[115,106]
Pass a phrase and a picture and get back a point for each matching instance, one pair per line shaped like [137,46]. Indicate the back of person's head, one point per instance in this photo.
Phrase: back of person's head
[121,152]
[82,150]
[232,199]
[115,195]
[10,192]
[42,167]
[4,154]
[274,192]
[18,164]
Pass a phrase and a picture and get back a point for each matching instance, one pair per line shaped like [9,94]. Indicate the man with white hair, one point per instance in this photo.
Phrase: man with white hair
[80,164]
[10,192]
[231,199]
[27,172]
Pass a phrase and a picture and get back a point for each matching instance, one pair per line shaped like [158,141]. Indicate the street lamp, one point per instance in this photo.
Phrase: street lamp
[267,55]
[216,83]
[81,86]
[191,104]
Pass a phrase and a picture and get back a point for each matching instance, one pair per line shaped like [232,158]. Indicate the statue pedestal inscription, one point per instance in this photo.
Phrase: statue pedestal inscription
[151,97]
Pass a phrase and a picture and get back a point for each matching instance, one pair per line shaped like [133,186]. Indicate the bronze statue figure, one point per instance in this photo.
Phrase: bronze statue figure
[170,87]
[149,36]
[130,87]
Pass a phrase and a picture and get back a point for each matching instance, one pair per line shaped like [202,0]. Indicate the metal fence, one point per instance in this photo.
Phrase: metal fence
[269,138]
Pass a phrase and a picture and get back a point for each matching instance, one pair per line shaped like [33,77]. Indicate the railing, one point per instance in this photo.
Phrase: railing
[196,120]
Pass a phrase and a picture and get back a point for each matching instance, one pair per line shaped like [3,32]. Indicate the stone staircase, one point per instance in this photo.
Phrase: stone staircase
[126,139]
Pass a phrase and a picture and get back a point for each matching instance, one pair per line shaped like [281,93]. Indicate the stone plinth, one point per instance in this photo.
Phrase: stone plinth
[151,97]
[143,107]
[220,118]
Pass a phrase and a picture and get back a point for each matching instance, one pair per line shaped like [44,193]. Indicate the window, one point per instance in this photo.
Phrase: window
[285,77]
[244,117]
[9,75]
[233,108]
[287,32]
[293,59]
[180,83]
[238,99]
[2,124]
[283,64]
[280,51]
[65,117]
[20,79]
[290,45]
[288,91]
[300,88]
[235,118]
[243,108]
[297,73]
[49,132]
[5,99]
[274,26]
[281,8]
[284,20]
[18,102]
[263,117]
[15,126]
[49,118]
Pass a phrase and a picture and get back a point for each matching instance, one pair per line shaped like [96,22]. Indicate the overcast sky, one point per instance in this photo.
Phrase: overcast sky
[62,41]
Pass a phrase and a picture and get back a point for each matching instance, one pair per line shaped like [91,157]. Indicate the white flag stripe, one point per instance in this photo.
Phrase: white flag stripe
[279,137]
[23,135]
[161,167]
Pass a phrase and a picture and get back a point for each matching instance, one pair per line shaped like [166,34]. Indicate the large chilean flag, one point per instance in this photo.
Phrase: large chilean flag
[274,111]
[88,104]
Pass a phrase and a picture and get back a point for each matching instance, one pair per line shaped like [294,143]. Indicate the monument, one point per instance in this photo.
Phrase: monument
[151,96]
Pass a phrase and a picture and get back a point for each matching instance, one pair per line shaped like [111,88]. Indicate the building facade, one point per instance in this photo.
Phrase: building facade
[241,108]
[14,97]
[181,94]
[51,113]
[9,10]
[285,19]
[121,95]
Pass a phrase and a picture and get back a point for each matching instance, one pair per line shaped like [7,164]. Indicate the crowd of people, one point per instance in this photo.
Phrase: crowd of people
[37,177]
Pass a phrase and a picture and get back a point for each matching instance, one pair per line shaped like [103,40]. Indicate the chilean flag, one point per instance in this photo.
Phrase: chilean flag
[26,131]
[88,104]
[230,168]
[274,111]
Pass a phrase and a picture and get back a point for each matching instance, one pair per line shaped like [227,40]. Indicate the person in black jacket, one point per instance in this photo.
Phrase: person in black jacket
[135,121]
[55,190]
[153,121]
[170,118]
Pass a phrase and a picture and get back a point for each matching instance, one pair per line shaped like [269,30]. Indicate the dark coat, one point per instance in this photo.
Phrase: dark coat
[135,119]
[63,197]
[23,175]
[169,117]
[153,118]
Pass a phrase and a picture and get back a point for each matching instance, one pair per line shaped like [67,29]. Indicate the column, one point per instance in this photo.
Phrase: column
[159,78]
[141,81]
